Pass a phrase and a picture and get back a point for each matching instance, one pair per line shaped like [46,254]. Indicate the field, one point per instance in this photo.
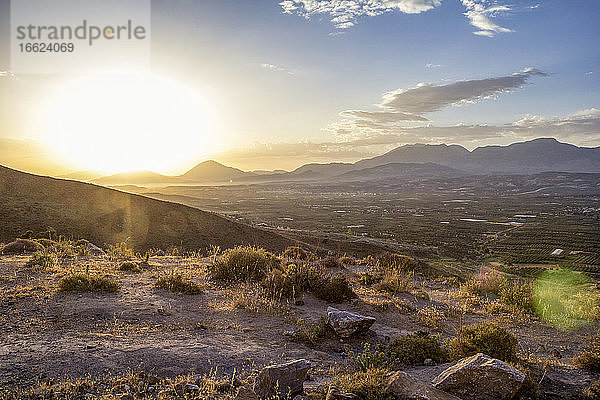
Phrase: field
[512,219]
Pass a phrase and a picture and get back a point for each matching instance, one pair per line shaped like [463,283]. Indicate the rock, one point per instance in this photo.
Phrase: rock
[283,379]
[480,377]
[335,393]
[406,387]
[346,323]
[190,388]
[245,393]
[94,250]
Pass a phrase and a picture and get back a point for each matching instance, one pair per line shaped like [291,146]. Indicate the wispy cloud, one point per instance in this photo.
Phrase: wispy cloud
[383,116]
[277,68]
[345,13]
[480,14]
[431,65]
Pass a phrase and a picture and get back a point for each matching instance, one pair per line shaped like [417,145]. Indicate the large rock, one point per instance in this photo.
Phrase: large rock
[283,379]
[346,323]
[405,387]
[245,393]
[480,377]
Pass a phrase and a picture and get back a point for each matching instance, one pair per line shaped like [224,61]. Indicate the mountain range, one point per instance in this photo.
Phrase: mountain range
[416,160]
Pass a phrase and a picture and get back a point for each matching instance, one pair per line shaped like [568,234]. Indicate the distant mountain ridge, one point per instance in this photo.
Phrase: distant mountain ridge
[530,157]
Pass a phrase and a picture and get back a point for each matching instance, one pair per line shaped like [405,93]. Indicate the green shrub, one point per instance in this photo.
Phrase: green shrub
[87,282]
[41,259]
[487,338]
[367,385]
[367,359]
[244,263]
[368,279]
[175,282]
[416,348]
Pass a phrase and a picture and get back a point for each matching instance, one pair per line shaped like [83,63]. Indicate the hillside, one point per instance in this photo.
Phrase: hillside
[138,177]
[393,170]
[81,210]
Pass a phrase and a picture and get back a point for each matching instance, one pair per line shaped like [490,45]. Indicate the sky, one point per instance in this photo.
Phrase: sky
[297,81]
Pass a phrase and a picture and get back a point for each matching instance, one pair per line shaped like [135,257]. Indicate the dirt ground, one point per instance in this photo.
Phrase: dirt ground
[45,333]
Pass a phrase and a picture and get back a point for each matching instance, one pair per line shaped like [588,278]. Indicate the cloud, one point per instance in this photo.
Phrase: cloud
[430,65]
[8,75]
[276,68]
[426,98]
[345,13]
[383,116]
[480,14]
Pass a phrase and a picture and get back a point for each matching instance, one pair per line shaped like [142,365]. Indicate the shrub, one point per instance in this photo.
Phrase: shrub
[254,298]
[41,259]
[416,348]
[431,317]
[130,266]
[396,281]
[334,289]
[516,294]
[367,359]
[393,261]
[244,264]
[175,282]
[368,279]
[367,385]
[347,260]
[590,358]
[329,262]
[87,282]
[21,246]
[487,280]
[296,253]
[487,338]
[593,392]
[312,334]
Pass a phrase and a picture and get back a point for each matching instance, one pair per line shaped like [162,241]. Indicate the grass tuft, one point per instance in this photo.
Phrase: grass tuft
[176,283]
[87,282]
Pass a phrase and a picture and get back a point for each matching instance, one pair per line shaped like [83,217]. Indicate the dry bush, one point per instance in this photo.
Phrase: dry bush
[22,246]
[329,262]
[175,282]
[416,348]
[244,263]
[254,298]
[487,280]
[396,281]
[41,259]
[130,266]
[367,385]
[486,338]
[120,251]
[87,282]
[431,317]
[312,333]
[296,253]
[590,358]
[347,260]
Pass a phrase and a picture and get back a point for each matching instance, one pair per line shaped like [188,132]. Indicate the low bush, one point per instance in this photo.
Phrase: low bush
[244,263]
[593,392]
[431,317]
[175,282]
[366,385]
[487,338]
[396,281]
[347,260]
[333,289]
[368,279]
[312,334]
[416,348]
[393,261]
[330,262]
[486,281]
[120,251]
[369,359]
[130,266]
[516,294]
[21,246]
[590,358]
[41,259]
[87,282]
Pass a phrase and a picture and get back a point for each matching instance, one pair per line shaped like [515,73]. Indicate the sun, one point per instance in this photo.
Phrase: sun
[116,122]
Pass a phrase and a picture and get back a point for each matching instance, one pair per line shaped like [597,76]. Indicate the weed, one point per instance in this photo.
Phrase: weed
[130,266]
[367,359]
[416,348]
[366,385]
[244,263]
[431,317]
[41,259]
[312,334]
[87,282]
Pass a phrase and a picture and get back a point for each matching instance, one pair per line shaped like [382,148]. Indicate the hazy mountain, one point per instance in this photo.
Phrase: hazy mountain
[400,169]
[103,215]
[325,170]
[212,171]
[442,154]
[137,177]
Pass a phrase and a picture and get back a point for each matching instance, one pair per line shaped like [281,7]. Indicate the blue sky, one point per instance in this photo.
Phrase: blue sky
[282,74]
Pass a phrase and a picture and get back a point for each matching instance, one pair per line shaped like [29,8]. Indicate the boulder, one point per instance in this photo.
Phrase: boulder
[21,246]
[346,324]
[404,386]
[336,393]
[94,250]
[481,377]
[282,379]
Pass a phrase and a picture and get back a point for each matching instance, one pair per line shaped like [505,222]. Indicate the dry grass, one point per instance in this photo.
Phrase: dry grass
[87,282]
[175,282]
[244,263]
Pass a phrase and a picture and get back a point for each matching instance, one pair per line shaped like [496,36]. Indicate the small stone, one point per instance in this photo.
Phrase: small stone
[335,393]
[283,379]
[245,393]
[346,324]
[405,387]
